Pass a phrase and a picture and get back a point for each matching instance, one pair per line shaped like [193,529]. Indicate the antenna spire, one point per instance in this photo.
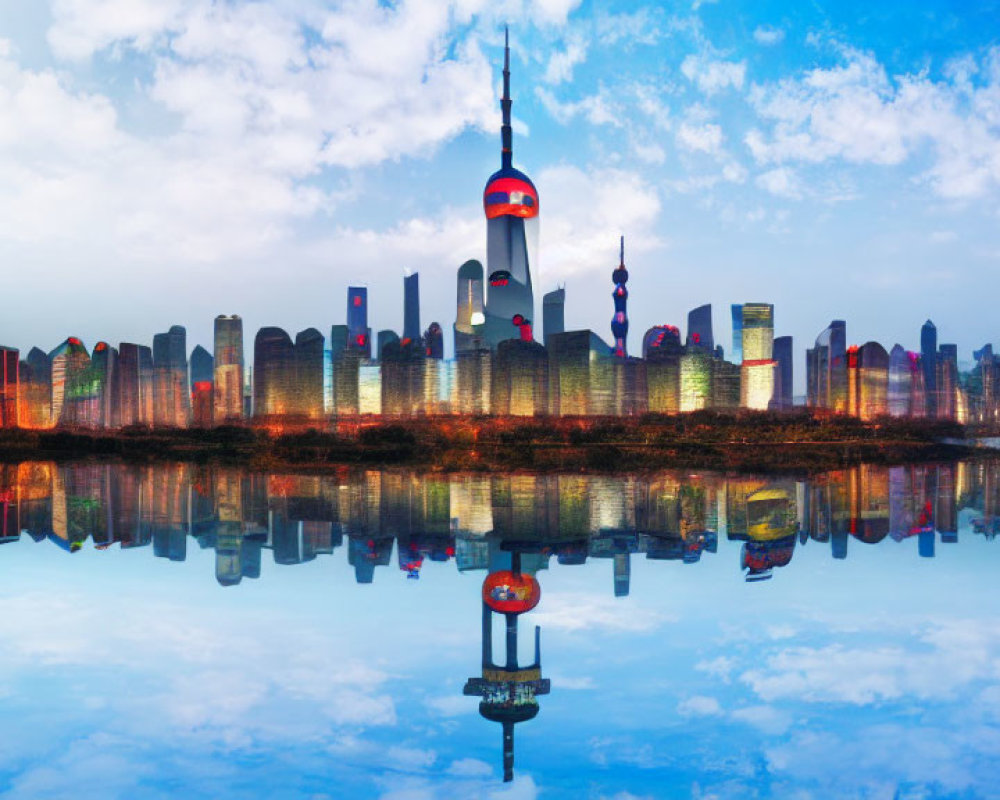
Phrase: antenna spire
[622,256]
[506,135]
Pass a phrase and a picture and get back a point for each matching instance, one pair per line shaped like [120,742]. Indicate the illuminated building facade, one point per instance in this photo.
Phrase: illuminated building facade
[826,369]
[307,391]
[171,397]
[104,366]
[868,381]
[35,381]
[757,367]
[510,202]
[949,392]
[10,390]
[228,379]
[520,379]
[581,378]
[69,361]
[737,314]
[202,388]
[662,349]
[274,373]
[695,380]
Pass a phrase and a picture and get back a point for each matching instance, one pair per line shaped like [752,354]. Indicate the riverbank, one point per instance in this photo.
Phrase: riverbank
[745,441]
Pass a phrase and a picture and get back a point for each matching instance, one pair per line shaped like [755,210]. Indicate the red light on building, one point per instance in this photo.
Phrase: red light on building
[360,339]
[74,340]
[101,347]
[507,593]
[696,337]
[357,301]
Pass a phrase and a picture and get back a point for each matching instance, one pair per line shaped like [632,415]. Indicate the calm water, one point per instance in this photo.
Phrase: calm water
[175,631]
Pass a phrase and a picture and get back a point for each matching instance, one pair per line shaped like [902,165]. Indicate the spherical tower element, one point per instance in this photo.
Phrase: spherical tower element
[619,322]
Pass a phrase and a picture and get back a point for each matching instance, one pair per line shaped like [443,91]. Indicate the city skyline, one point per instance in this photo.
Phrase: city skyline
[94,104]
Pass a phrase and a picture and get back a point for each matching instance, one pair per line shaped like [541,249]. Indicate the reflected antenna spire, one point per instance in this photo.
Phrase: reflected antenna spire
[506,135]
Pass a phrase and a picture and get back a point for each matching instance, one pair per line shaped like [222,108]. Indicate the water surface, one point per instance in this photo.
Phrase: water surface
[175,631]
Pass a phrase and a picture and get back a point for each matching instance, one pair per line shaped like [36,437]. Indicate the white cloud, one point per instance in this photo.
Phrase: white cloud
[597,109]
[780,181]
[699,706]
[768,35]
[713,76]
[767,719]
[470,768]
[705,138]
[855,112]
[572,611]
[562,62]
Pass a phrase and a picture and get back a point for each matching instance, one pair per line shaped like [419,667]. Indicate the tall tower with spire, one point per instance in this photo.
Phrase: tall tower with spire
[619,322]
[510,202]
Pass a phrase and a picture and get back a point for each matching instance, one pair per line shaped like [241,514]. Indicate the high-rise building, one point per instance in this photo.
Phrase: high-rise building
[36,390]
[411,306]
[928,360]
[619,322]
[757,372]
[345,364]
[782,373]
[520,379]
[900,382]
[134,385]
[307,392]
[104,368]
[228,378]
[700,329]
[868,381]
[553,314]
[385,338]
[202,388]
[581,375]
[274,373]
[947,382]
[9,387]
[470,321]
[510,202]
[826,369]
[737,312]
[662,350]
[359,335]
[171,397]
[69,360]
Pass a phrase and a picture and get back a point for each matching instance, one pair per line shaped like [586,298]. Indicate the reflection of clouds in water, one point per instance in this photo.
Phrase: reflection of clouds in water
[578,611]
[945,657]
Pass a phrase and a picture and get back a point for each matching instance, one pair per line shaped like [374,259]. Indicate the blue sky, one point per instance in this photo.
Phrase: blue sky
[163,161]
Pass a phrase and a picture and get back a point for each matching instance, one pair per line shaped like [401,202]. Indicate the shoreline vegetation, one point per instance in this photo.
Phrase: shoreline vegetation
[767,442]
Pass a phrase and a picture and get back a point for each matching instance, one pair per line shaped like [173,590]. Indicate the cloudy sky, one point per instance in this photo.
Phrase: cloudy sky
[164,161]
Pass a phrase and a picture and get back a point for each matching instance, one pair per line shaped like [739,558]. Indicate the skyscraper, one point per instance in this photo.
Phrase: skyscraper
[737,312]
[67,360]
[782,373]
[359,335]
[619,322]
[202,391]
[228,380]
[411,306]
[757,374]
[9,388]
[307,397]
[929,359]
[553,314]
[274,372]
[469,317]
[171,397]
[510,202]
[700,328]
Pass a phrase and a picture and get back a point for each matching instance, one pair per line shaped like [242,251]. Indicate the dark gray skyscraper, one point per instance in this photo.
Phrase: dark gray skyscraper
[469,317]
[411,307]
[782,373]
[171,395]
[928,359]
[359,334]
[553,314]
[700,328]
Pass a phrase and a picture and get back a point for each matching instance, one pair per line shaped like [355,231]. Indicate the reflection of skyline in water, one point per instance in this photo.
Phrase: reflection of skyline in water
[372,515]
[504,526]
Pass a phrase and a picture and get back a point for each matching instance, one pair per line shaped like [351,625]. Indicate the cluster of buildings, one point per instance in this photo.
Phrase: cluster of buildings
[406,517]
[501,365]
